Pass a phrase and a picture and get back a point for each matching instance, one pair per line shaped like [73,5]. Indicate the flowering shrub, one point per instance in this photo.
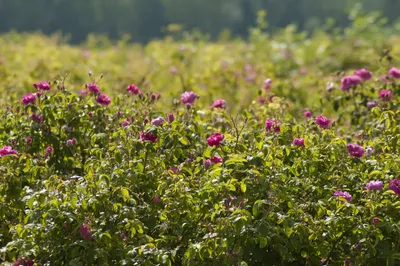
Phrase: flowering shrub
[156,176]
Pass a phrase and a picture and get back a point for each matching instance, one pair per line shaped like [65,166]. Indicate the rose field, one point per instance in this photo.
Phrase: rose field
[281,149]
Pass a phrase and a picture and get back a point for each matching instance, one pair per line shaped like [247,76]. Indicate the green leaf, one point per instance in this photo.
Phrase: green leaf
[125,194]
[243,187]
[263,242]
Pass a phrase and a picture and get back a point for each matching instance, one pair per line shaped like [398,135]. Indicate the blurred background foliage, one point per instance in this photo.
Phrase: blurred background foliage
[144,20]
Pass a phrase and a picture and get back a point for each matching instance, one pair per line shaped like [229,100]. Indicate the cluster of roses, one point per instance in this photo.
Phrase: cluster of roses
[349,82]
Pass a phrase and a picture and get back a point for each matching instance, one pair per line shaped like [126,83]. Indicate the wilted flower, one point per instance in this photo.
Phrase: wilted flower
[363,73]
[375,220]
[355,150]
[385,95]
[28,98]
[371,104]
[375,185]
[133,89]
[103,99]
[215,139]
[394,72]
[171,118]
[298,142]
[158,121]
[267,84]
[349,82]
[369,151]
[271,125]
[36,118]
[86,233]
[90,114]
[216,159]
[28,140]
[330,86]
[347,261]
[221,104]
[343,194]
[395,186]
[93,88]
[126,123]
[83,93]
[323,122]
[148,137]
[189,97]
[174,170]
[7,150]
[43,85]
[173,70]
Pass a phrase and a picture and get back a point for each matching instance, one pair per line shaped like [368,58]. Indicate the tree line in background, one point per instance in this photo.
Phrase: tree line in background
[147,19]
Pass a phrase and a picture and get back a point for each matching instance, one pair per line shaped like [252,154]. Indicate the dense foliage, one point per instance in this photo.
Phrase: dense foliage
[147,19]
[282,150]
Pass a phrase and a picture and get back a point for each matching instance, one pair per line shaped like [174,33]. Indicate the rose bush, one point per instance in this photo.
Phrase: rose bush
[163,173]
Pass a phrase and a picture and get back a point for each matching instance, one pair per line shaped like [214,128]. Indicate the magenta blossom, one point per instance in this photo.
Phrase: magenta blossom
[28,98]
[343,194]
[148,137]
[261,100]
[86,233]
[375,185]
[375,220]
[394,72]
[103,99]
[385,95]
[7,150]
[271,125]
[394,185]
[126,123]
[216,159]
[323,122]
[49,150]
[189,97]
[355,150]
[28,140]
[307,114]
[171,118]
[215,139]
[133,89]
[349,82]
[298,142]
[158,121]
[363,73]
[93,88]
[155,96]
[71,142]
[43,85]
[24,262]
[221,104]
[156,199]
[207,163]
